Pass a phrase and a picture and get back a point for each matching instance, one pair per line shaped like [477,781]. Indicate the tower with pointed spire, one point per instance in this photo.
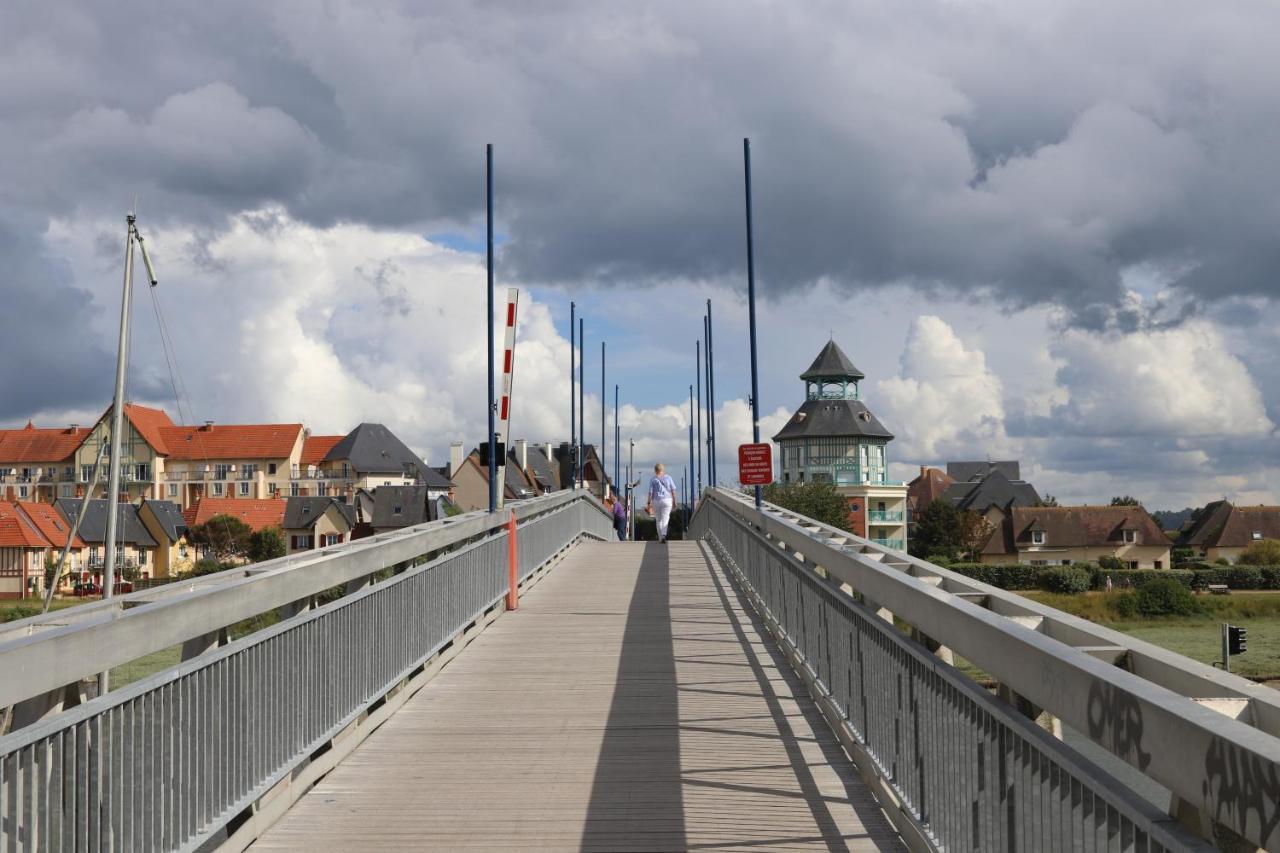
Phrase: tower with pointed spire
[834,438]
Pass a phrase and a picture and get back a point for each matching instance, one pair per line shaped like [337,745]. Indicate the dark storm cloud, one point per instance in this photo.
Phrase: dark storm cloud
[1027,154]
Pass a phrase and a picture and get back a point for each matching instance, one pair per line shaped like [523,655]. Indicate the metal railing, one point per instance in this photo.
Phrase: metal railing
[178,760]
[894,544]
[881,516]
[973,771]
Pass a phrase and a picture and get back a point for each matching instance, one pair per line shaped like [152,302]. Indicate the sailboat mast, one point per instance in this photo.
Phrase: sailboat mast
[117,419]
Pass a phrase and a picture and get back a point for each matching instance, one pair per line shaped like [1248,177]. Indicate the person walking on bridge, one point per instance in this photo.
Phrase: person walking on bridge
[662,496]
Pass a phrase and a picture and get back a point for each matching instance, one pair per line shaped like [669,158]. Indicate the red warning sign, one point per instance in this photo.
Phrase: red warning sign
[755,464]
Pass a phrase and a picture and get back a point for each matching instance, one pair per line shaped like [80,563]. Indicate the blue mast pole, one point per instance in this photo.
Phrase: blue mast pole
[573,392]
[690,471]
[751,306]
[604,452]
[697,361]
[582,404]
[617,442]
[493,438]
[711,403]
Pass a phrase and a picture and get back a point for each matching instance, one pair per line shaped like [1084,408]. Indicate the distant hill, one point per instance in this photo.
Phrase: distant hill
[1173,519]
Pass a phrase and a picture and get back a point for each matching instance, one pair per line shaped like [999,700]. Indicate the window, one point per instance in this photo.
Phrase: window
[396,510]
[244,489]
[248,471]
[1159,564]
[173,490]
[66,491]
[1133,564]
[22,492]
[69,473]
[322,488]
[1257,534]
[293,490]
[221,471]
[142,472]
[1039,562]
[142,557]
[1037,537]
[86,472]
[1130,536]
[217,489]
[271,467]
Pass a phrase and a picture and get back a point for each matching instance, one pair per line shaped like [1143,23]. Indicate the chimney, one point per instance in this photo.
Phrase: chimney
[208,425]
[522,453]
[455,457]
[74,427]
[923,469]
[550,451]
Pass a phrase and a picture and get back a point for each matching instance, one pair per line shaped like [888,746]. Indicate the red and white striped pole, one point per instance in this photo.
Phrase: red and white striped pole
[508,374]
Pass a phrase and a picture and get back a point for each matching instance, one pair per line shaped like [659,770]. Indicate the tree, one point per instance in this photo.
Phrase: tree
[225,536]
[974,532]
[1264,552]
[1047,500]
[1126,500]
[819,501]
[937,530]
[265,544]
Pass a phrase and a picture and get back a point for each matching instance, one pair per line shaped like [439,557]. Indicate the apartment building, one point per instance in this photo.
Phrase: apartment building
[39,464]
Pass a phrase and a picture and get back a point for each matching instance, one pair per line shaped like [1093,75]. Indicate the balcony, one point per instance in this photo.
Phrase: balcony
[895,544]
[877,516]
[297,474]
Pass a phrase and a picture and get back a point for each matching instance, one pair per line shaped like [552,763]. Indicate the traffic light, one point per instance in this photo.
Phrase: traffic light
[1236,639]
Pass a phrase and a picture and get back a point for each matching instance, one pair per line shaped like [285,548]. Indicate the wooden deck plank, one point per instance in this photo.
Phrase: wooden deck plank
[629,704]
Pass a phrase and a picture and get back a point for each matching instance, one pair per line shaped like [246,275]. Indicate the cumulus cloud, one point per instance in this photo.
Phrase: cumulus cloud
[944,401]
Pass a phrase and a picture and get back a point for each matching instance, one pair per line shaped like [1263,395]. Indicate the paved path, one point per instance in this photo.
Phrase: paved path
[629,704]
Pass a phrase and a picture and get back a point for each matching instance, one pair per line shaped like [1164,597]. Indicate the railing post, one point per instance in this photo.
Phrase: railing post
[513,597]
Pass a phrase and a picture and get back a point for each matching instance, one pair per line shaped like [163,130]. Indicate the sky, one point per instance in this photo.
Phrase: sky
[1044,230]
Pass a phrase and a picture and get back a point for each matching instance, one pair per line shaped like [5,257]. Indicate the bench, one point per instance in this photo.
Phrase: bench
[1219,589]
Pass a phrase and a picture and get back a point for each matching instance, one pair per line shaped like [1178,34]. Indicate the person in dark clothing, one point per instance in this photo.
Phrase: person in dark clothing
[620,519]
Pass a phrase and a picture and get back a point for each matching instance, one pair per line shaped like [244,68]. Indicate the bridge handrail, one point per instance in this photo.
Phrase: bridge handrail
[1225,767]
[48,652]
[208,752]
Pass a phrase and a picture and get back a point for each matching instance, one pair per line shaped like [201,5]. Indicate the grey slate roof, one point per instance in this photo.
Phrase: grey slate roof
[374,449]
[129,528]
[832,363]
[542,470]
[301,512]
[169,516]
[994,488]
[410,500]
[833,418]
[964,471]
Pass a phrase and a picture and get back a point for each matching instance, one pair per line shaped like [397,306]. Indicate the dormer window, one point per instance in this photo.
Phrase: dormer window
[1130,536]
[1257,534]
[1037,537]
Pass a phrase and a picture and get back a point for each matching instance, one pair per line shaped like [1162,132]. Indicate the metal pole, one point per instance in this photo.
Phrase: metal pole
[1226,648]
[697,360]
[573,392]
[617,441]
[751,306]
[690,495]
[631,475]
[711,401]
[582,405]
[493,438]
[604,452]
[117,429]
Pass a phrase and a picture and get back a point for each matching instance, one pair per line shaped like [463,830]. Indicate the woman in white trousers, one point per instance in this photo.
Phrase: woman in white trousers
[662,497]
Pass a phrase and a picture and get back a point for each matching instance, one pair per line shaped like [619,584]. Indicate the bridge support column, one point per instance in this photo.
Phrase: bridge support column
[37,708]
[197,646]
[944,654]
[1031,711]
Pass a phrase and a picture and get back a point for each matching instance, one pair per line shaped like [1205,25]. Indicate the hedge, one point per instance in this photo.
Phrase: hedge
[1019,576]
[1009,576]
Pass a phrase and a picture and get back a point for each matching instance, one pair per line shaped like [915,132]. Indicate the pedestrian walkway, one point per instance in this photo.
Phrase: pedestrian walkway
[631,703]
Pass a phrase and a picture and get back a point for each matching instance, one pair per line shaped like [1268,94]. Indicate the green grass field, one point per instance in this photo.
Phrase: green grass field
[1198,637]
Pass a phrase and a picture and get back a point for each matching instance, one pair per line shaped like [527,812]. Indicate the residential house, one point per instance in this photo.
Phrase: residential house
[395,507]
[316,522]
[924,490]
[31,535]
[38,464]
[1223,530]
[257,513]
[373,456]
[834,438]
[471,480]
[164,521]
[593,474]
[1052,536]
[135,545]
[978,486]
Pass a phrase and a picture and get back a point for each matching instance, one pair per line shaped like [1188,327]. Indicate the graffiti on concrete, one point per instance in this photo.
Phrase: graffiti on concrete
[1115,721]
[1239,784]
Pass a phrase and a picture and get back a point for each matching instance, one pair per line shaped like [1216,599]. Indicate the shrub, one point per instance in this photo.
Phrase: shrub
[1065,579]
[1138,577]
[1112,564]
[1264,552]
[1012,576]
[1244,577]
[1124,605]
[1165,597]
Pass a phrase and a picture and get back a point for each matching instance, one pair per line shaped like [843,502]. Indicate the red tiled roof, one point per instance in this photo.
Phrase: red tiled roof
[40,445]
[230,441]
[255,512]
[316,447]
[50,523]
[150,424]
[16,530]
